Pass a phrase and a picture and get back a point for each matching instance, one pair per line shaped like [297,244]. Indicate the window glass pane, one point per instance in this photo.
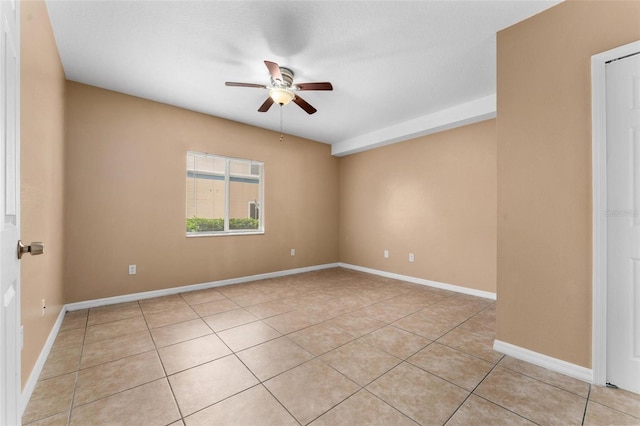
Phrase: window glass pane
[209,178]
[241,196]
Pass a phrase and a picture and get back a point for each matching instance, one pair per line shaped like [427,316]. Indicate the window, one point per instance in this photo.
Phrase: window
[224,195]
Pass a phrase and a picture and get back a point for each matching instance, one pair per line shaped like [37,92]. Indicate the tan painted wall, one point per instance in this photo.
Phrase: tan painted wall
[434,196]
[544,173]
[125,197]
[42,193]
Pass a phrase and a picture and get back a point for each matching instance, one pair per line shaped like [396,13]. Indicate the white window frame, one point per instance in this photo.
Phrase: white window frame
[227,179]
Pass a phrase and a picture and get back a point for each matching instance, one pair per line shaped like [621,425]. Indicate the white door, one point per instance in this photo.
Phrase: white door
[623,222]
[10,386]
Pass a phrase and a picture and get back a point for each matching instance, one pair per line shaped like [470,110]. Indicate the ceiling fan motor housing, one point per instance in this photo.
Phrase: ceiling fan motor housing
[287,78]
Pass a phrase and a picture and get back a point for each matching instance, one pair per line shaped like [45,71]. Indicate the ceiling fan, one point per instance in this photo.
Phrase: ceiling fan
[282,90]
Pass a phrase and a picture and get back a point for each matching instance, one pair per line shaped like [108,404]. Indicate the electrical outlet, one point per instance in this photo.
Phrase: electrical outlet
[293,252]
[386,254]
[44,306]
[411,257]
[132,269]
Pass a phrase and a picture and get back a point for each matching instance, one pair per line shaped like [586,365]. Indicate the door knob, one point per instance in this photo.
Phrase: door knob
[34,249]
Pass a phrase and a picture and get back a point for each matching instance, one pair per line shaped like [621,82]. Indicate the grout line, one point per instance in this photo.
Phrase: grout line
[473,392]
[584,414]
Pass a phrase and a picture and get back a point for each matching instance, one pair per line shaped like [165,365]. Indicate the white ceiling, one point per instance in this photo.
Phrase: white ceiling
[398,68]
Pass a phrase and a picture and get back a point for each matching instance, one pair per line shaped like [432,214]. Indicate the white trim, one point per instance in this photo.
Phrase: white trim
[545,361]
[193,287]
[599,188]
[450,287]
[37,368]
[460,115]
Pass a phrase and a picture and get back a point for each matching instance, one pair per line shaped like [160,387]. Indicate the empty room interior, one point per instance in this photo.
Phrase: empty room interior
[406,237]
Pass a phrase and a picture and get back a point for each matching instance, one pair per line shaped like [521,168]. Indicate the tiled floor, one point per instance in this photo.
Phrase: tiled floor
[333,347]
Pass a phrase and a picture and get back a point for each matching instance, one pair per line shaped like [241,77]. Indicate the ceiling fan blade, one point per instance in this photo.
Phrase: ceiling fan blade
[304,105]
[274,70]
[233,83]
[266,105]
[315,86]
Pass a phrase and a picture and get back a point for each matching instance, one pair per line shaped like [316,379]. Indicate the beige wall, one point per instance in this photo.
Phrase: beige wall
[434,196]
[125,197]
[42,127]
[544,173]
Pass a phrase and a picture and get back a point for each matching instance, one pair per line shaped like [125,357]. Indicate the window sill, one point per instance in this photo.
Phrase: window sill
[223,234]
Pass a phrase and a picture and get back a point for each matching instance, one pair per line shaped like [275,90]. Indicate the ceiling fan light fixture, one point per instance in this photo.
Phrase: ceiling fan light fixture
[281,96]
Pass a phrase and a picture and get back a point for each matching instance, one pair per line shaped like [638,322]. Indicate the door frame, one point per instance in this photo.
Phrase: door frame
[599,191]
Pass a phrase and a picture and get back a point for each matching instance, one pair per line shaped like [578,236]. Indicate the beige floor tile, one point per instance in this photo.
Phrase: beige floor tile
[50,397]
[236,290]
[229,319]
[427,324]
[61,419]
[112,377]
[452,365]
[170,316]
[113,329]
[479,412]
[363,408]
[551,377]
[149,404]
[269,309]
[109,313]
[273,357]
[245,336]
[65,339]
[467,302]
[71,322]
[179,332]
[202,296]
[422,297]
[485,321]
[113,349]
[356,324]
[525,396]
[360,361]
[253,407]
[209,383]
[163,303]
[473,343]
[598,414]
[303,300]
[193,352]
[397,342]
[310,389]
[320,338]
[618,399]
[253,299]
[422,396]
[289,322]
[62,361]
[215,307]
[323,311]
[385,313]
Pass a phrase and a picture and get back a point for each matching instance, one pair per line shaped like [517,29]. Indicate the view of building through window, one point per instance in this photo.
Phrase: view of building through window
[224,195]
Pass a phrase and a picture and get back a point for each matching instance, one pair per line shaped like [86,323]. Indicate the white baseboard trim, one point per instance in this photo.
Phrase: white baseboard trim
[175,290]
[541,360]
[42,358]
[450,287]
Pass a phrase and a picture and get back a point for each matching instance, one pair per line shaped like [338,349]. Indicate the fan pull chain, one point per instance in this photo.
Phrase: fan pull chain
[281,133]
